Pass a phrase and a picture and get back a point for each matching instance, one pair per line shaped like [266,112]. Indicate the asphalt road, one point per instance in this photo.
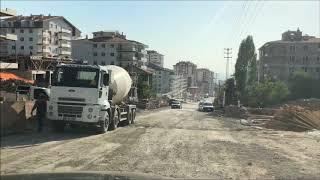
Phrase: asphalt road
[178,143]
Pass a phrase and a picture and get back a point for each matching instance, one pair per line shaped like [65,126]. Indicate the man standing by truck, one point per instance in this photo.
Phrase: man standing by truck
[41,106]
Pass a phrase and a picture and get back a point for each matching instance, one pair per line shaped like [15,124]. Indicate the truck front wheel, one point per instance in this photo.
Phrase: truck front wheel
[104,125]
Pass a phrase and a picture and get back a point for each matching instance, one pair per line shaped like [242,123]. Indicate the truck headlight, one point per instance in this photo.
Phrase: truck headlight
[90,109]
[89,116]
[50,107]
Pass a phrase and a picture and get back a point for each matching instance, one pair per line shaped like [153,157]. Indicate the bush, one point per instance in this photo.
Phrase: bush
[302,85]
[267,93]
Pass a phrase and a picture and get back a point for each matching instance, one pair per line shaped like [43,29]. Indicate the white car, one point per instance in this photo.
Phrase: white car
[206,106]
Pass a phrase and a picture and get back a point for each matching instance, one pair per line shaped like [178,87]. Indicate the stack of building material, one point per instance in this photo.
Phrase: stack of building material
[295,118]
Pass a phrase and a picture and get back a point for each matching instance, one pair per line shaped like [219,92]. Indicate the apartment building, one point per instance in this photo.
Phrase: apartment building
[178,86]
[39,35]
[294,52]
[205,81]
[155,58]
[110,47]
[160,79]
[188,70]
[4,33]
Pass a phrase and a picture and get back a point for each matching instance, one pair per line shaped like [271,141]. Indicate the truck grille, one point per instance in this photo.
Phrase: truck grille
[70,110]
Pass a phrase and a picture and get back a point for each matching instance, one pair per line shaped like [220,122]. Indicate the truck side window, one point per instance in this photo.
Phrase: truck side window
[105,79]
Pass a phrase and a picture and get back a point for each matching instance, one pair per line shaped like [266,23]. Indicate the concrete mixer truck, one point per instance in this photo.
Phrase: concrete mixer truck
[90,94]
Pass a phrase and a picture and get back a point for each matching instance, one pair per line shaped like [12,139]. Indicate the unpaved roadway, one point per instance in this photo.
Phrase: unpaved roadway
[172,143]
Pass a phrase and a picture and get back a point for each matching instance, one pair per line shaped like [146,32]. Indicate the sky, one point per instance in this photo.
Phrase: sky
[196,31]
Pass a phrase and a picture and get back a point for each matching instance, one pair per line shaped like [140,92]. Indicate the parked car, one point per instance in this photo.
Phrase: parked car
[176,104]
[200,106]
[207,106]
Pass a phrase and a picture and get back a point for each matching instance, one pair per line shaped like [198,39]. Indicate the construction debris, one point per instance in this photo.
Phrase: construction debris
[296,118]
[236,112]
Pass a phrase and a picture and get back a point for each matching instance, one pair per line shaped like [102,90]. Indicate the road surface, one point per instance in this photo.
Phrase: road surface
[178,143]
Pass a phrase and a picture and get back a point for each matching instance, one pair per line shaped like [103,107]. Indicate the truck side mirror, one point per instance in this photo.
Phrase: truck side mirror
[106,79]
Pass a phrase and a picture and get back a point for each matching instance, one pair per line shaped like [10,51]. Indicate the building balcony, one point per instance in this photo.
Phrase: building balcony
[127,49]
[127,58]
[64,37]
[65,53]
[66,45]
[65,31]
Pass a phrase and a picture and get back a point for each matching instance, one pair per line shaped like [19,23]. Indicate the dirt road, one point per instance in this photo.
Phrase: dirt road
[173,143]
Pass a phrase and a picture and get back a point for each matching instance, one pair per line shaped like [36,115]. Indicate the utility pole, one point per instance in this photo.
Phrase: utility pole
[228,52]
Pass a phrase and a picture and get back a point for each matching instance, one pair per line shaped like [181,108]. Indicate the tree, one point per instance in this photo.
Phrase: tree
[230,96]
[267,93]
[302,85]
[246,66]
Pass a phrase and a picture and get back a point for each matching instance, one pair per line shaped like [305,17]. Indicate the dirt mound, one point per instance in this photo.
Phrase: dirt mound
[296,118]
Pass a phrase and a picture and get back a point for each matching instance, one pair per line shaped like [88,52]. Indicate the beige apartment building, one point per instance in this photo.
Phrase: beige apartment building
[294,52]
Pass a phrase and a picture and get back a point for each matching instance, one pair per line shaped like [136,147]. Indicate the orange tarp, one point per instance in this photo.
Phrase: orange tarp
[7,76]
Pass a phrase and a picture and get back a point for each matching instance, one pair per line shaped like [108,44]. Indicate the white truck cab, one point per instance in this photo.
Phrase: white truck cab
[81,94]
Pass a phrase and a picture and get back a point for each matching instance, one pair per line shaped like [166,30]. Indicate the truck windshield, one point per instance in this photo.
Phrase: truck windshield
[76,77]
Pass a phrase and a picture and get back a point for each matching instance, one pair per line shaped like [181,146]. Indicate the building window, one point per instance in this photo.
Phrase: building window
[9,24]
[30,30]
[103,63]
[95,62]
[22,39]
[95,45]
[95,54]
[112,45]
[305,47]
[112,63]
[56,26]
[103,54]
[291,69]
[292,59]
[13,47]
[317,69]
[319,45]
[30,39]
[31,47]
[13,30]
[103,45]
[111,54]
[318,59]
[21,31]
[51,25]
[22,47]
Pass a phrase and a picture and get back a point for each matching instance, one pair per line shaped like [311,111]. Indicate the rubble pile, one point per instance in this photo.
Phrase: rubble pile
[296,118]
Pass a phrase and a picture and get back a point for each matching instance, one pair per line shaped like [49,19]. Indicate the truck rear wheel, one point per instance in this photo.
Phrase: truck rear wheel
[115,120]
[103,125]
[58,126]
[133,116]
[128,120]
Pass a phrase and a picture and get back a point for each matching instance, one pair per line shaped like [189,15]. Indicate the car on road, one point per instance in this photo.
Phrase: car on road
[176,104]
[206,106]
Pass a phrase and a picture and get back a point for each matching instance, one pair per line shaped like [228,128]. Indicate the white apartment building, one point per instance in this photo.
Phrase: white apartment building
[107,48]
[188,70]
[38,35]
[155,58]
[178,86]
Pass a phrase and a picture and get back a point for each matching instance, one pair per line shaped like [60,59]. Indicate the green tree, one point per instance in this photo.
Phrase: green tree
[302,85]
[246,66]
[230,89]
[267,93]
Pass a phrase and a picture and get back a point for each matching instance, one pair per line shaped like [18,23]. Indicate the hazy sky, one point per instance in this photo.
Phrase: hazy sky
[185,30]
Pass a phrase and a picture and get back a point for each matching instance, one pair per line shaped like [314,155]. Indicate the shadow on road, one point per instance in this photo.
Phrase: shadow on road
[34,139]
